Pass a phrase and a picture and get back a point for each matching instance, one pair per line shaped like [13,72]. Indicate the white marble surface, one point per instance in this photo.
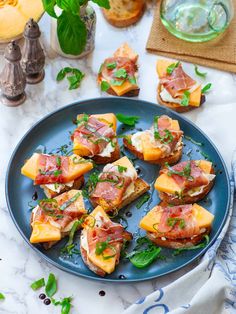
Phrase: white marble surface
[19,265]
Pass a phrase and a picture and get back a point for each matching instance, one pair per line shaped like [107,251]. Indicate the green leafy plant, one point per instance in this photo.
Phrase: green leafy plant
[74,76]
[71,29]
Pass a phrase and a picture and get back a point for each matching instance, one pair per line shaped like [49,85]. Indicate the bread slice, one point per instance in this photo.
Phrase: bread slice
[123,13]
[187,199]
[132,93]
[105,160]
[77,184]
[178,243]
[140,187]
[173,159]
[97,270]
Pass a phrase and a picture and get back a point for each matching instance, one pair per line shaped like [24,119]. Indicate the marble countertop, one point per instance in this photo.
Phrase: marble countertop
[19,265]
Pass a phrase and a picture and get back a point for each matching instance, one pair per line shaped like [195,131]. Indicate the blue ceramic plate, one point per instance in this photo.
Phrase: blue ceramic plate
[53,132]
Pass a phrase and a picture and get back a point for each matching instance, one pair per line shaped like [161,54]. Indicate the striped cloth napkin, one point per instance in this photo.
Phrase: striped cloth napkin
[209,288]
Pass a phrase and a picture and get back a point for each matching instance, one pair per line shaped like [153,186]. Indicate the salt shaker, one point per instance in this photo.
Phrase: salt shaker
[12,77]
[33,58]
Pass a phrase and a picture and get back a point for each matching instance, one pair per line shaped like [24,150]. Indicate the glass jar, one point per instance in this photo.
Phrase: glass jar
[196,20]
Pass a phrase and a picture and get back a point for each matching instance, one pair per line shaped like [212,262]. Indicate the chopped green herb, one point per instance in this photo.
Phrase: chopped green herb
[186,172]
[127,137]
[206,156]
[201,74]
[128,120]
[121,169]
[111,65]
[105,86]
[144,253]
[100,69]
[171,67]
[132,80]
[117,82]
[121,73]
[2,297]
[51,285]
[143,200]
[83,119]
[38,284]
[56,173]
[102,246]
[167,138]
[58,161]
[195,247]
[206,88]
[193,141]
[70,201]
[68,248]
[65,304]
[74,79]
[172,221]
[185,99]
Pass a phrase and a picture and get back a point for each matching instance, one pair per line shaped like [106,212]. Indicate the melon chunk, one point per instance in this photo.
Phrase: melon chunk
[162,65]
[125,162]
[31,168]
[44,232]
[205,165]
[149,151]
[203,217]
[167,184]
[124,88]
[126,51]
[15,14]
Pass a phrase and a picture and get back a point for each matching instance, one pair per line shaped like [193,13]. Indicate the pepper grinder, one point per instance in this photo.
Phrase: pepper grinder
[33,58]
[12,78]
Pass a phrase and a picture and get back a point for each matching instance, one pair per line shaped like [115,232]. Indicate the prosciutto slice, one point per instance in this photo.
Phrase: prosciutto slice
[94,134]
[196,178]
[112,233]
[177,222]
[52,169]
[111,187]
[120,63]
[177,81]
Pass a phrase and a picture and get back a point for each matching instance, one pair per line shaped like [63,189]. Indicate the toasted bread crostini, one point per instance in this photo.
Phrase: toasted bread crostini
[54,218]
[161,143]
[118,75]
[185,183]
[177,90]
[177,227]
[56,174]
[95,137]
[123,13]
[117,186]
[101,242]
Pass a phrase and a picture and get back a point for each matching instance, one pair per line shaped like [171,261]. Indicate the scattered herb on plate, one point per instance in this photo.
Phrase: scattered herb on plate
[127,120]
[206,88]
[143,200]
[74,78]
[190,139]
[198,73]
[144,253]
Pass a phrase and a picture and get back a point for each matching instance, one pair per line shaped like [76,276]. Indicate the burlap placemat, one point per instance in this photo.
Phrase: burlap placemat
[219,53]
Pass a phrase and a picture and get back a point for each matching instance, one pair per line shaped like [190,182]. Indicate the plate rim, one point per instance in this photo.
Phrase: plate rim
[104,279]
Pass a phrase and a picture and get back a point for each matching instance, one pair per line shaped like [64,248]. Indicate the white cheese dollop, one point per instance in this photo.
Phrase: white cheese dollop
[108,150]
[58,187]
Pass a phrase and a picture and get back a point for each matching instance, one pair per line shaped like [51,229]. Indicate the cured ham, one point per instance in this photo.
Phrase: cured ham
[191,175]
[108,73]
[111,186]
[177,222]
[52,169]
[177,82]
[94,134]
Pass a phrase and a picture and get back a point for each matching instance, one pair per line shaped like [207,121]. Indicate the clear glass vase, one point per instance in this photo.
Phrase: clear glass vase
[196,20]
[88,15]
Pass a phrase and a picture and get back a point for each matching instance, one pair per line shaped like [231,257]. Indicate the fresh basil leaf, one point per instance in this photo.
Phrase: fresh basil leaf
[65,304]
[2,297]
[121,169]
[132,80]
[206,88]
[171,67]
[121,73]
[68,23]
[61,75]
[105,86]
[201,74]
[144,258]
[69,5]
[103,3]
[74,83]
[128,120]
[143,200]
[51,286]
[74,80]
[117,82]
[49,7]
[38,284]
[195,247]
[111,65]
[185,99]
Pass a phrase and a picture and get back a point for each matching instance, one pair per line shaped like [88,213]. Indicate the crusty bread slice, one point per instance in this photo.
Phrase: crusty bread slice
[172,105]
[105,160]
[140,187]
[132,93]
[173,159]
[178,243]
[187,199]
[123,13]
[78,183]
